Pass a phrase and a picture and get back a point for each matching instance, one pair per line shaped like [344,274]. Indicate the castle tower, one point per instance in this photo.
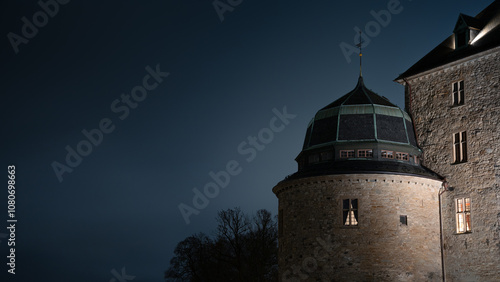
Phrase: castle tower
[360,207]
[453,95]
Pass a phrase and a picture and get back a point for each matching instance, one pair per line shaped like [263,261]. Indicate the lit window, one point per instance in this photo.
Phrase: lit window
[326,156]
[350,212]
[460,147]
[402,156]
[347,154]
[463,215]
[458,93]
[365,153]
[387,154]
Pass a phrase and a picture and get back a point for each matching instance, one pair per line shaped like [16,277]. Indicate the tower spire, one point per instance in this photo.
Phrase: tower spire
[359,45]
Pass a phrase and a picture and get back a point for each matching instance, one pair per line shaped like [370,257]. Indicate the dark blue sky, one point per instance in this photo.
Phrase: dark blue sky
[118,208]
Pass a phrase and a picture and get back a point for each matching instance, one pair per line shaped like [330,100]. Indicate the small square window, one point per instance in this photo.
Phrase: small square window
[402,156]
[365,153]
[387,154]
[403,219]
[346,154]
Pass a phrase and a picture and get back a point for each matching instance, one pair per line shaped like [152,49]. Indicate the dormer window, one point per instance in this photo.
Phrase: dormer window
[461,38]
[466,29]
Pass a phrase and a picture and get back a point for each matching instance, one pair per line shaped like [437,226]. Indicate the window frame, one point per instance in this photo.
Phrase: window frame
[365,155]
[402,158]
[458,93]
[459,144]
[347,154]
[352,212]
[387,153]
[463,215]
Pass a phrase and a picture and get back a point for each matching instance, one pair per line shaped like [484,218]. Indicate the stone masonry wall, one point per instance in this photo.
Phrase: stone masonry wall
[315,246]
[473,256]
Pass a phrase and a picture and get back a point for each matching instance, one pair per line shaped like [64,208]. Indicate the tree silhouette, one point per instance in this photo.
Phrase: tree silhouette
[243,250]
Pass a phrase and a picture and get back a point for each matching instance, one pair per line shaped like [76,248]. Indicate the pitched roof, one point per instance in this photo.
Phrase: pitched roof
[469,21]
[360,95]
[487,20]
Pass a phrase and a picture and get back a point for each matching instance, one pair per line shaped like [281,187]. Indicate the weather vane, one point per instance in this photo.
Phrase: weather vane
[359,45]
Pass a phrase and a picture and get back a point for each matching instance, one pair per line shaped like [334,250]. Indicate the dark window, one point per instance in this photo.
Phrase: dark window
[350,212]
[403,219]
[461,38]
[460,147]
[458,93]
[346,154]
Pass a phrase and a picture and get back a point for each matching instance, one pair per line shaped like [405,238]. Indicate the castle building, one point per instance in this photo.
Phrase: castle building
[453,96]
[373,201]
[360,207]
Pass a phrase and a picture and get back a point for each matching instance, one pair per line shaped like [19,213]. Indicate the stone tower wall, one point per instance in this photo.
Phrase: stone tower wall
[473,256]
[314,245]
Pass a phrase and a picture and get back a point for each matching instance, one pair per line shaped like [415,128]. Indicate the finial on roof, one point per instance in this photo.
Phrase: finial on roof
[359,45]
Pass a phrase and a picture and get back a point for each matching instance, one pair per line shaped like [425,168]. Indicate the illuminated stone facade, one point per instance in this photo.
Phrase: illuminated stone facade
[396,237]
[355,212]
[473,255]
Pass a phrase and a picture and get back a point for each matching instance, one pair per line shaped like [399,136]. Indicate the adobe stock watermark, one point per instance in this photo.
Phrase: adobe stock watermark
[122,107]
[248,148]
[29,30]
[221,7]
[121,277]
[309,264]
[372,28]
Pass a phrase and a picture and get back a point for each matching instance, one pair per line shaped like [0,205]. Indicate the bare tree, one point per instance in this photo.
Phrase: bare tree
[232,229]
[243,250]
[193,256]
[262,247]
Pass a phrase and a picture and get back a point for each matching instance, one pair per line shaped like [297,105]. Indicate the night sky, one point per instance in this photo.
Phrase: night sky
[171,92]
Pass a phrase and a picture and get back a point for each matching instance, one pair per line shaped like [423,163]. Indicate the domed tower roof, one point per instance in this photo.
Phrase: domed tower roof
[360,132]
[360,115]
